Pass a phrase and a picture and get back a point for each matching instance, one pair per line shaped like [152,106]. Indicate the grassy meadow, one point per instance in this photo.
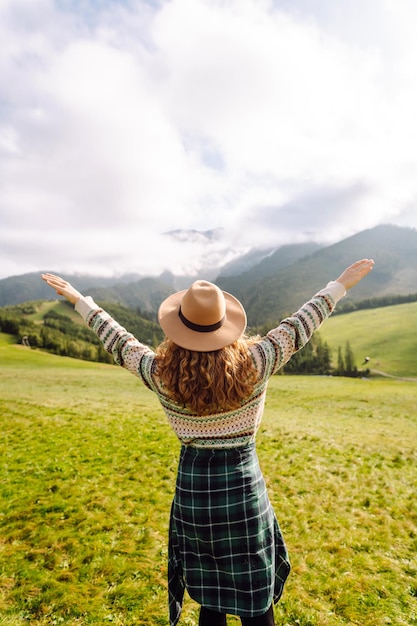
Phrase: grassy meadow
[386,335]
[88,467]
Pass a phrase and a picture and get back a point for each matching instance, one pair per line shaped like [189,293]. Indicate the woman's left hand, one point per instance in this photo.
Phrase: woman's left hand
[62,287]
[355,272]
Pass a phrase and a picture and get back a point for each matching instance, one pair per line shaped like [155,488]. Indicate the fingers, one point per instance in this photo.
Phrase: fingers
[363,263]
[53,278]
[366,265]
[361,267]
[62,287]
[55,281]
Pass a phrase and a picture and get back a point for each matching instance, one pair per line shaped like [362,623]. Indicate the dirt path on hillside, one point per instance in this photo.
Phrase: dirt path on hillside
[379,373]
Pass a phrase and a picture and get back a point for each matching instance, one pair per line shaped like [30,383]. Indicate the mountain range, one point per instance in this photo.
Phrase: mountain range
[270,283]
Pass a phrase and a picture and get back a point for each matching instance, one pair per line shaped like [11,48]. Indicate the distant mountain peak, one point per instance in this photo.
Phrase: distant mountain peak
[269,282]
[191,235]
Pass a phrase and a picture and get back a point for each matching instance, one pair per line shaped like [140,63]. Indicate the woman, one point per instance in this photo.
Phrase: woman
[225,544]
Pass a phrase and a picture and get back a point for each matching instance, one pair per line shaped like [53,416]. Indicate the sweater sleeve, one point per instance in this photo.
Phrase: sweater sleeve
[280,343]
[126,350]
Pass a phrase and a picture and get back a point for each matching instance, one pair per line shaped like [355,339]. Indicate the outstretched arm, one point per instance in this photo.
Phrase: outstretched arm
[295,331]
[125,348]
[62,287]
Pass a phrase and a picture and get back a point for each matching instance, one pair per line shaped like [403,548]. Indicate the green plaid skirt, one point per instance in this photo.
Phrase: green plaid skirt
[225,544]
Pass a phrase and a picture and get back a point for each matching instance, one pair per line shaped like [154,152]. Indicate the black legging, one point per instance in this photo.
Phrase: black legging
[213,618]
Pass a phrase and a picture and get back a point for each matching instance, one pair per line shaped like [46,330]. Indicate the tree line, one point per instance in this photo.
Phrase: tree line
[315,358]
[348,306]
[59,334]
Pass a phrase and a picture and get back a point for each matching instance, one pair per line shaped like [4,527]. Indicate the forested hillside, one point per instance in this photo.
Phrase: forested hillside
[394,250]
[57,328]
[274,283]
[385,336]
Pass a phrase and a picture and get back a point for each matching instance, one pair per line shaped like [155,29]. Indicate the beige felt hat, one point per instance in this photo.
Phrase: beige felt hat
[202,318]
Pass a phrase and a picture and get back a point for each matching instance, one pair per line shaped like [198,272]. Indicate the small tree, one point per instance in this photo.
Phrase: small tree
[346,365]
[350,367]
[340,362]
[323,361]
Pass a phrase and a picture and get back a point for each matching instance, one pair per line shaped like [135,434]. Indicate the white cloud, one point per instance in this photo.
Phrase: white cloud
[126,122]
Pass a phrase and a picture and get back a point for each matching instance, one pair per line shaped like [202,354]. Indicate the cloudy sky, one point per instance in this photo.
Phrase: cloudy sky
[270,121]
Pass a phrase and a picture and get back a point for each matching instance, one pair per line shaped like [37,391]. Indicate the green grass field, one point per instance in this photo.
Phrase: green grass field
[87,477]
[386,335]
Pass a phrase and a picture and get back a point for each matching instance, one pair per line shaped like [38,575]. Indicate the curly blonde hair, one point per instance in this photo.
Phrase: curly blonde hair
[205,382]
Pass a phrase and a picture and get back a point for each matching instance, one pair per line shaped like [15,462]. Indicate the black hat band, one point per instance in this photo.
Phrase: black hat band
[200,328]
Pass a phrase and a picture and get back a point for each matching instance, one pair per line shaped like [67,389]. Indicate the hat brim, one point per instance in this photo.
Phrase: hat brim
[233,327]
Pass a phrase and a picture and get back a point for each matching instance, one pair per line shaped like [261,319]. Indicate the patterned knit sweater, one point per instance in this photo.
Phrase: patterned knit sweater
[231,428]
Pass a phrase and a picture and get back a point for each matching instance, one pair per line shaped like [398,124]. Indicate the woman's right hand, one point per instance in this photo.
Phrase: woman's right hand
[62,287]
[355,272]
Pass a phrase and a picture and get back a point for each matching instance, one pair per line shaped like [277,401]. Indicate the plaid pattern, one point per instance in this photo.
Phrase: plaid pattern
[225,544]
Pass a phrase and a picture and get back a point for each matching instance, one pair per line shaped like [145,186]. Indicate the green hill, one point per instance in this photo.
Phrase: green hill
[273,285]
[268,298]
[386,335]
[55,326]
[269,262]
